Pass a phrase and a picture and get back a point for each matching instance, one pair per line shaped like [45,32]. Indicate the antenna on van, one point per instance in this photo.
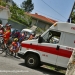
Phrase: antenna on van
[69,20]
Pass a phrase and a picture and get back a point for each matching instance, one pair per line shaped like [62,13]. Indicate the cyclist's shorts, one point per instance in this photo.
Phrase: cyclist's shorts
[6,40]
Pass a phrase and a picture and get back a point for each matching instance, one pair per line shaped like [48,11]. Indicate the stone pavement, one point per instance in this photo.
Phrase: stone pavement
[71,65]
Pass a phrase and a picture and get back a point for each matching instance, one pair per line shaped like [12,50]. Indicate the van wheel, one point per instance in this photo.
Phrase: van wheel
[32,61]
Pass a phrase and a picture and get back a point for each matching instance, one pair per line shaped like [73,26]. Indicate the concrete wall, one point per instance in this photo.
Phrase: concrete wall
[4,21]
[4,16]
[41,24]
[17,25]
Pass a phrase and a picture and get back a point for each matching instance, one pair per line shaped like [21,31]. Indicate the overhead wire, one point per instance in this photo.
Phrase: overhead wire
[53,9]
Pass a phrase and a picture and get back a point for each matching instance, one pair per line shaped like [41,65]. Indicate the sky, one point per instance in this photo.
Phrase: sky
[58,10]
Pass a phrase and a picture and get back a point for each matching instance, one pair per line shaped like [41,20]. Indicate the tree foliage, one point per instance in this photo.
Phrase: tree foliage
[13,3]
[73,17]
[2,3]
[27,5]
[19,15]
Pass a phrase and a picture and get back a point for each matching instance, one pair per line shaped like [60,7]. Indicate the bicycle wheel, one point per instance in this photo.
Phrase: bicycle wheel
[1,48]
[7,52]
[1,51]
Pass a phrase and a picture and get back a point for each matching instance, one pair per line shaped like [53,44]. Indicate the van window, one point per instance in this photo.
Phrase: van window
[52,37]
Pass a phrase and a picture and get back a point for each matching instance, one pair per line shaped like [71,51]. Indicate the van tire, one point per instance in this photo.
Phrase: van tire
[32,61]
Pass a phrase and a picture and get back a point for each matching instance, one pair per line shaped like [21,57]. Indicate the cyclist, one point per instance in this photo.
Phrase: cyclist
[6,37]
[15,46]
[7,33]
[1,30]
[22,37]
[32,36]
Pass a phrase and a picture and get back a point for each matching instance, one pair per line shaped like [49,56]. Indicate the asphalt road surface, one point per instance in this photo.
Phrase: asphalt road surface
[15,66]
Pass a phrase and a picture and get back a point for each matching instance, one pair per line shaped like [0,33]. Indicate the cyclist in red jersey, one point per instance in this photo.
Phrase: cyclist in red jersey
[7,33]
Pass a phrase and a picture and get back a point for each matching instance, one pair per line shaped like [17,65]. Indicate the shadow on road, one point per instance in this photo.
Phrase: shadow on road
[45,70]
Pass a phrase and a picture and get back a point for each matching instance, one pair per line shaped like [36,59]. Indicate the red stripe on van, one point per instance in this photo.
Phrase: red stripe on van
[60,52]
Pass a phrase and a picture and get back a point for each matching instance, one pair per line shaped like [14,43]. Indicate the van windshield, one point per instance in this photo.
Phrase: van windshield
[51,37]
[28,32]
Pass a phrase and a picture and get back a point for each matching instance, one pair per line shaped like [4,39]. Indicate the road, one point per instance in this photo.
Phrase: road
[15,66]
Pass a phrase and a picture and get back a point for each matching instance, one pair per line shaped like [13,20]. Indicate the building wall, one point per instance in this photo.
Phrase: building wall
[9,2]
[4,21]
[34,21]
[4,16]
[17,25]
[43,25]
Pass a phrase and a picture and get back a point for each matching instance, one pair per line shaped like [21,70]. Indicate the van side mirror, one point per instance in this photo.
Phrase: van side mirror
[40,39]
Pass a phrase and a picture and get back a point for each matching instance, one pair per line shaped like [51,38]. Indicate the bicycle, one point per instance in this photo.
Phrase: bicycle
[4,48]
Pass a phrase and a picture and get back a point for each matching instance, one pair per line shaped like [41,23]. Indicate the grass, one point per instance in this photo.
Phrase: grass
[53,68]
[15,21]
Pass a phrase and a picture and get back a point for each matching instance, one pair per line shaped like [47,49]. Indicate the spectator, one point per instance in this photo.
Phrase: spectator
[7,33]
[31,36]
[22,37]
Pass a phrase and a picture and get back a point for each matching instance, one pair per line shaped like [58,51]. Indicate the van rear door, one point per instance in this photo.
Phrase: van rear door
[48,47]
[66,49]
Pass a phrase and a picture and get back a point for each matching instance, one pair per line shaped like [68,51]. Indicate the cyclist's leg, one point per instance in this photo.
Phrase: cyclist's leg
[16,51]
[11,50]
[8,46]
[2,47]
[5,46]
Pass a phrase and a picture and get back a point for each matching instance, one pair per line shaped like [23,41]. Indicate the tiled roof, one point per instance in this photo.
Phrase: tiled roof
[43,18]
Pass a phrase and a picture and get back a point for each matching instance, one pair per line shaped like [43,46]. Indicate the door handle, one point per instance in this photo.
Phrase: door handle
[57,48]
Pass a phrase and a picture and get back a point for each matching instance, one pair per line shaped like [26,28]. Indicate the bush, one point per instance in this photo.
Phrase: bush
[3,3]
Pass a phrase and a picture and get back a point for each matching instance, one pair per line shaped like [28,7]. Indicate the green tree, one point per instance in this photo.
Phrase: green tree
[73,17]
[14,4]
[27,5]
[2,3]
[19,15]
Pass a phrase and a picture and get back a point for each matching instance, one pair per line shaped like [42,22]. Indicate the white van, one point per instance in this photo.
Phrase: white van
[28,32]
[53,47]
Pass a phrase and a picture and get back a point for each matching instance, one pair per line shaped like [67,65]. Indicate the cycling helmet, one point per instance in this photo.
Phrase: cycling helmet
[15,39]
[8,25]
[1,25]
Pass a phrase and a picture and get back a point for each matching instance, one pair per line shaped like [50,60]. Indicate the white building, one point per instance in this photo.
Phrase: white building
[4,14]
